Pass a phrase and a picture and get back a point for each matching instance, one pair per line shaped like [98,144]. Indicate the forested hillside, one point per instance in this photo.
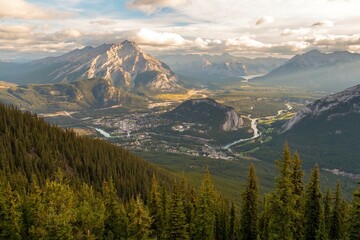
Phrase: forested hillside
[56,185]
[32,150]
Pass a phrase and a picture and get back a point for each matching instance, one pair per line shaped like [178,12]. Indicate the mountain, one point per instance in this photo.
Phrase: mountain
[82,94]
[327,131]
[318,71]
[124,65]
[208,112]
[219,66]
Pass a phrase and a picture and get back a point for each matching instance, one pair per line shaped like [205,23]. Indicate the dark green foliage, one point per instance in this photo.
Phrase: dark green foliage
[90,214]
[337,224]
[249,209]
[205,210]
[51,211]
[313,209]
[222,220]
[354,228]
[156,210]
[56,185]
[139,220]
[232,224]
[114,219]
[264,219]
[30,148]
[10,212]
[297,175]
[282,202]
[178,227]
[327,211]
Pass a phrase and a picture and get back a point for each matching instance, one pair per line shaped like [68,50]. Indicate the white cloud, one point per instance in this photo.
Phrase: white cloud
[23,10]
[299,31]
[344,41]
[190,26]
[103,22]
[151,6]
[148,37]
[15,31]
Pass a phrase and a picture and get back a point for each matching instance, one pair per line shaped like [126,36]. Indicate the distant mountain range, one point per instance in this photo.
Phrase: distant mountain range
[317,71]
[326,131]
[219,66]
[124,65]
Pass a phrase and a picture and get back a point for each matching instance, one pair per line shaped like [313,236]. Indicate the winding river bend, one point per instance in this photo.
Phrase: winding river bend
[102,132]
[256,131]
[254,122]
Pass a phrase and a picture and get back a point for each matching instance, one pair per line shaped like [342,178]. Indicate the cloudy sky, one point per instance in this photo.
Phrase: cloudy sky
[37,28]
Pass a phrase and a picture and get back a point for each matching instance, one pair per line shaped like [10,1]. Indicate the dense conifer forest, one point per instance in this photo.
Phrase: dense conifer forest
[57,185]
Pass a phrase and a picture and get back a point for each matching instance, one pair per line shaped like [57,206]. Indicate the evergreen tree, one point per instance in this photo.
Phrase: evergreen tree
[156,210]
[205,214]
[327,211]
[139,219]
[190,212]
[233,222]
[10,212]
[354,228]
[178,228]
[264,219]
[313,205]
[337,224]
[165,202]
[282,204]
[297,175]
[91,214]
[222,219]
[249,209]
[52,211]
[322,233]
[114,227]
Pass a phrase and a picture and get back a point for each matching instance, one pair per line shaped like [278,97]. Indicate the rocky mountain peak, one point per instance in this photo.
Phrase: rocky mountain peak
[124,65]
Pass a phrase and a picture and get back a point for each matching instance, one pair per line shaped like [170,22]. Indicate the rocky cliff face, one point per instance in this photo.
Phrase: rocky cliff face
[233,121]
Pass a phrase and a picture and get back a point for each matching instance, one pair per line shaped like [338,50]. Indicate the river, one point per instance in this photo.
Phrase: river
[256,131]
[102,132]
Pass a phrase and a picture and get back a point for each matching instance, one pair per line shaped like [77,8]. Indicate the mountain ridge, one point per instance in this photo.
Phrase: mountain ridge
[316,70]
[219,66]
[121,64]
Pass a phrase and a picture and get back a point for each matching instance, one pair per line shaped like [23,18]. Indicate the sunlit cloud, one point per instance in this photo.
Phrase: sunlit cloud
[21,9]
[246,28]
[299,31]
